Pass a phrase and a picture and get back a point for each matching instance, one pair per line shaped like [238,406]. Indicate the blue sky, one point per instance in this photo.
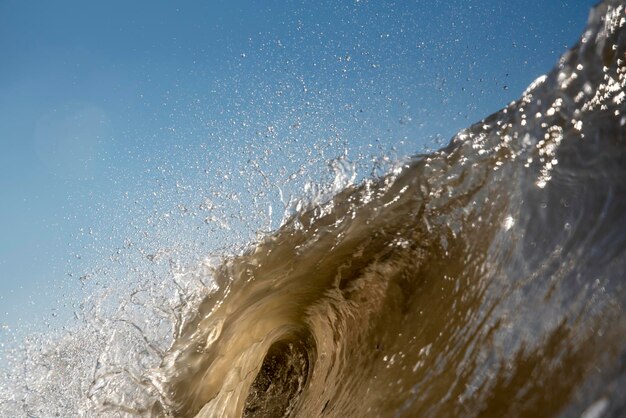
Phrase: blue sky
[96,98]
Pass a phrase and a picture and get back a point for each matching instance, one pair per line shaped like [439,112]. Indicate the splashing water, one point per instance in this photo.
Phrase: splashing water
[484,279]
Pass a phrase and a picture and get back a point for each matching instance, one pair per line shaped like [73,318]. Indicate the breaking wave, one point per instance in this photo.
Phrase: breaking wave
[484,279]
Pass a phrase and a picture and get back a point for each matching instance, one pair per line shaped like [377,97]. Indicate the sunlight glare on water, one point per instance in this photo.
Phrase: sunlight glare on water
[302,272]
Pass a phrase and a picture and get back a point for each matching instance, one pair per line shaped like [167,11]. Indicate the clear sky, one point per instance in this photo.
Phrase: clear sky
[96,98]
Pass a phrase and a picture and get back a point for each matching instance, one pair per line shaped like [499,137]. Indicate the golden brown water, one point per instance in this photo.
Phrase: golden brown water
[485,279]
[482,280]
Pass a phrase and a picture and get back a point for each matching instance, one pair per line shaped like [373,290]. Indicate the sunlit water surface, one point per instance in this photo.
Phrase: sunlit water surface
[483,279]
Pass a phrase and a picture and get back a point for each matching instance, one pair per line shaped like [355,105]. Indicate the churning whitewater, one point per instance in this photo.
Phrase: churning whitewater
[484,279]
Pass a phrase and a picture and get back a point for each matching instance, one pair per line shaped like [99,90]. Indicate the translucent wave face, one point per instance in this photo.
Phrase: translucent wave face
[484,279]
[481,279]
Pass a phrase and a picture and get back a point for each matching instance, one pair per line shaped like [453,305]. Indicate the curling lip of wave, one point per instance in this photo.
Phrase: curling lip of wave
[483,279]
